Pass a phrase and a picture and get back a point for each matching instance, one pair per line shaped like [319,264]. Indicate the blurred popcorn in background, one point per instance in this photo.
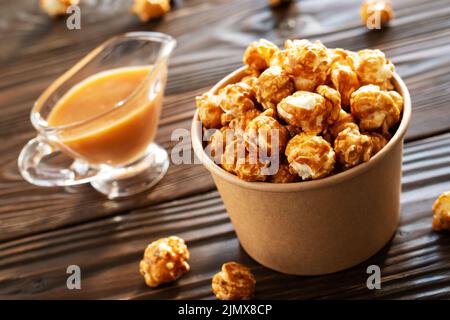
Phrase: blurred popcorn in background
[56,7]
[150,9]
[376,13]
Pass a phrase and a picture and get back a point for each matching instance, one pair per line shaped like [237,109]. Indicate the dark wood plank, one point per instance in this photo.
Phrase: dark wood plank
[414,264]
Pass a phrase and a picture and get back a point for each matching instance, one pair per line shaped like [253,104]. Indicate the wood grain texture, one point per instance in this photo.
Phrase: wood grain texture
[42,231]
[414,264]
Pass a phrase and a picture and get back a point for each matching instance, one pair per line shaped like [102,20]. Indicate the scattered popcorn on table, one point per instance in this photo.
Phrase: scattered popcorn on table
[376,13]
[209,111]
[333,109]
[265,132]
[150,9]
[272,86]
[376,109]
[234,282]
[165,260]
[275,3]
[307,63]
[311,157]
[56,7]
[441,212]
[258,54]
[306,110]
[352,147]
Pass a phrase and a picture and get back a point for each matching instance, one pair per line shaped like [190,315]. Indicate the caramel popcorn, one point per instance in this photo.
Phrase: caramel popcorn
[328,105]
[376,11]
[374,68]
[375,108]
[57,7]
[240,122]
[219,140]
[352,147]
[209,111]
[333,102]
[293,130]
[272,86]
[165,260]
[311,157]
[258,54]
[237,98]
[275,3]
[340,56]
[378,142]
[263,129]
[306,110]
[284,175]
[441,212]
[234,282]
[236,159]
[307,63]
[345,80]
[344,121]
[150,9]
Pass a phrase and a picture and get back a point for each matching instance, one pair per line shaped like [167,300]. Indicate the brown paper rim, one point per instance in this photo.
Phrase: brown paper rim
[196,133]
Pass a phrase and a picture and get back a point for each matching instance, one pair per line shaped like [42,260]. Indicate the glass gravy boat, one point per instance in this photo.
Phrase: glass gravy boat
[113,150]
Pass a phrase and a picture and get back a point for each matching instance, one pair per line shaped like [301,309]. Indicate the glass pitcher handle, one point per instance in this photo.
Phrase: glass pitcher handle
[31,166]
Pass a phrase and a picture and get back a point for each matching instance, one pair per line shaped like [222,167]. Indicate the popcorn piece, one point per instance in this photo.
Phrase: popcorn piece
[352,147]
[266,133]
[345,80]
[308,63]
[236,159]
[165,260]
[284,175]
[311,157]
[237,98]
[344,121]
[56,7]
[209,111]
[372,67]
[293,130]
[375,108]
[240,123]
[306,110]
[275,3]
[340,56]
[150,9]
[441,212]
[333,102]
[234,282]
[259,53]
[251,81]
[376,13]
[219,140]
[378,142]
[272,86]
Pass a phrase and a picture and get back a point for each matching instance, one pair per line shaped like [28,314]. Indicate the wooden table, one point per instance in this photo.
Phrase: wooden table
[44,230]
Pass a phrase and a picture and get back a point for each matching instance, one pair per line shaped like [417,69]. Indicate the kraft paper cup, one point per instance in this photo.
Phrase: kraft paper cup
[315,227]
